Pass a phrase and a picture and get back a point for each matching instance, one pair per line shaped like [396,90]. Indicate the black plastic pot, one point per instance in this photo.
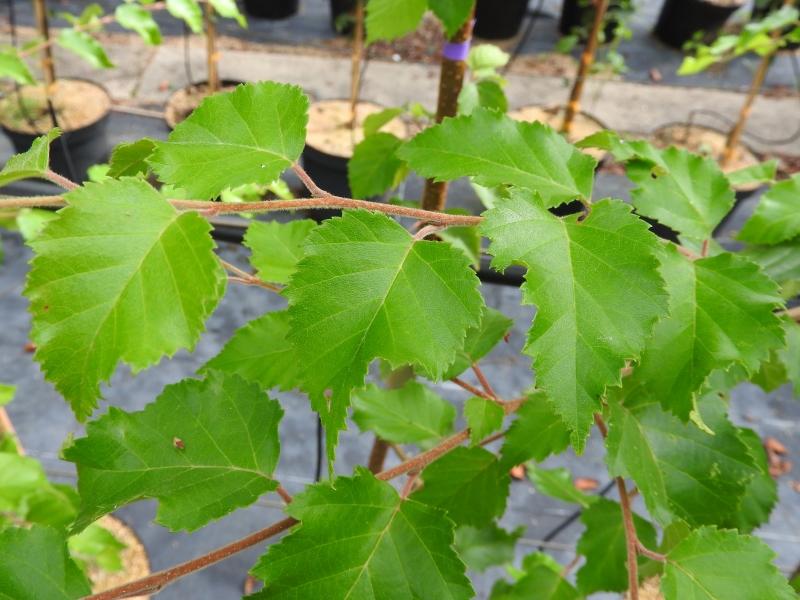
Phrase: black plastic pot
[75,151]
[271,9]
[329,172]
[579,14]
[495,23]
[343,16]
[680,20]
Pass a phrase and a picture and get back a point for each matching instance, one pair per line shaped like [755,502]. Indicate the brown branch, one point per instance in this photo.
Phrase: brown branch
[471,389]
[212,56]
[377,456]
[482,379]
[631,541]
[60,180]
[285,496]
[657,556]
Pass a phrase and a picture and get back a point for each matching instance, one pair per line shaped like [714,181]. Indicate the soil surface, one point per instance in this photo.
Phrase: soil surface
[77,104]
[583,126]
[329,126]
[181,104]
[135,562]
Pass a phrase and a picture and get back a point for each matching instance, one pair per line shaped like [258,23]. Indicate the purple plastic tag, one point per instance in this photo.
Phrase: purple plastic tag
[456,51]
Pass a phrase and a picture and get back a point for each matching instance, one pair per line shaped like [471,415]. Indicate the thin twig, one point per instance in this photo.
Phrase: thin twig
[484,382]
[471,389]
[7,428]
[60,180]
[408,487]
[631,541]
[285,496]
[657,556]
[426,231]
[254,281]
[312,187]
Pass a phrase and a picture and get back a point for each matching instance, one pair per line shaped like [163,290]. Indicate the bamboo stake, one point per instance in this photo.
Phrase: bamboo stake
[587,60]
[355,62]
[451,79]
[211,49]
[48,69]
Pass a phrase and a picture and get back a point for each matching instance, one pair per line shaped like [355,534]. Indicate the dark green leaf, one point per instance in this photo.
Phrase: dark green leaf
[277,247]
[536,433]
[776,218]
[486,547]
[483,418]
[375,168]
[130,159]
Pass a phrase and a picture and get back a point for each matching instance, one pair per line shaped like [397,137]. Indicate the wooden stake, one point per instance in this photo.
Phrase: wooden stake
[587,60]
[211,49]
[48,69]
[355,62]
[451,79]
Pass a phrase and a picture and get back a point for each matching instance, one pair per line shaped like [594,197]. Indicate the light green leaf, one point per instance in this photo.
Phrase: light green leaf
[249,135]
[130,158]
[542,580]
[681,471]
[189,11]
[712,564]
[452,13]
[485,58]
[536,433]
[20,477]
[374,121]
[485,94]
[390,19]
[603,545]
[412,414]
[85,46]
[96,547]
[31,164]
[783,364]
[358,539]
[360,293]
[7,393]
[777,216]
[203,449]
[557,483]
[781,262]
[763,172]
[260,352]
[761,494]
[684,191]
[13,67]
[228,9]
[134,17]
[580,275]
[721,313]
[103,287]
[374,167]
[465,239]
[480,340]
[276,247]
[469,483]
[37,565]
[486,547]
[483,418]
[497,150]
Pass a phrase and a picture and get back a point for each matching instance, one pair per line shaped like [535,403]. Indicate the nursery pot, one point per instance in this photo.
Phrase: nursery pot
[343,15]
[681,19]
[580,14]
[79,147]
[329,145]
[495,23]
[271,9]
[182,102]
[701,139]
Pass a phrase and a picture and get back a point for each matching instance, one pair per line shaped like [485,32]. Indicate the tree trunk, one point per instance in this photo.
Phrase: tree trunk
[587,60]
[451,79]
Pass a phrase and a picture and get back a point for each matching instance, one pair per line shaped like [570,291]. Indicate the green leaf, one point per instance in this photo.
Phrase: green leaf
[31,164]
[763,172]
[413,414]
[480,340]
[483,418]
[603,545]
[465,239]
[780,262]
[249,135]
[140,20]
[776,218]
[374,167]
[580,276]
[276,247]
[536,433]
[485,94]
[481,548]
[13,67]
[681,471]
[469,483]
[96,547]
[7,393]
[390,19]
[452,13]
[32,221]
[761,494]
[358,539]
[542,580]
[260,352]
[228,9]
[721,313]
[85,46]
[483,59]
[189,11]
[103,287]
[712,564]
[203,449]
[129,159]
[498,150]
[37,565]
[557,483]
[374,121]
[360,293]
[20,476]
[684,191]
